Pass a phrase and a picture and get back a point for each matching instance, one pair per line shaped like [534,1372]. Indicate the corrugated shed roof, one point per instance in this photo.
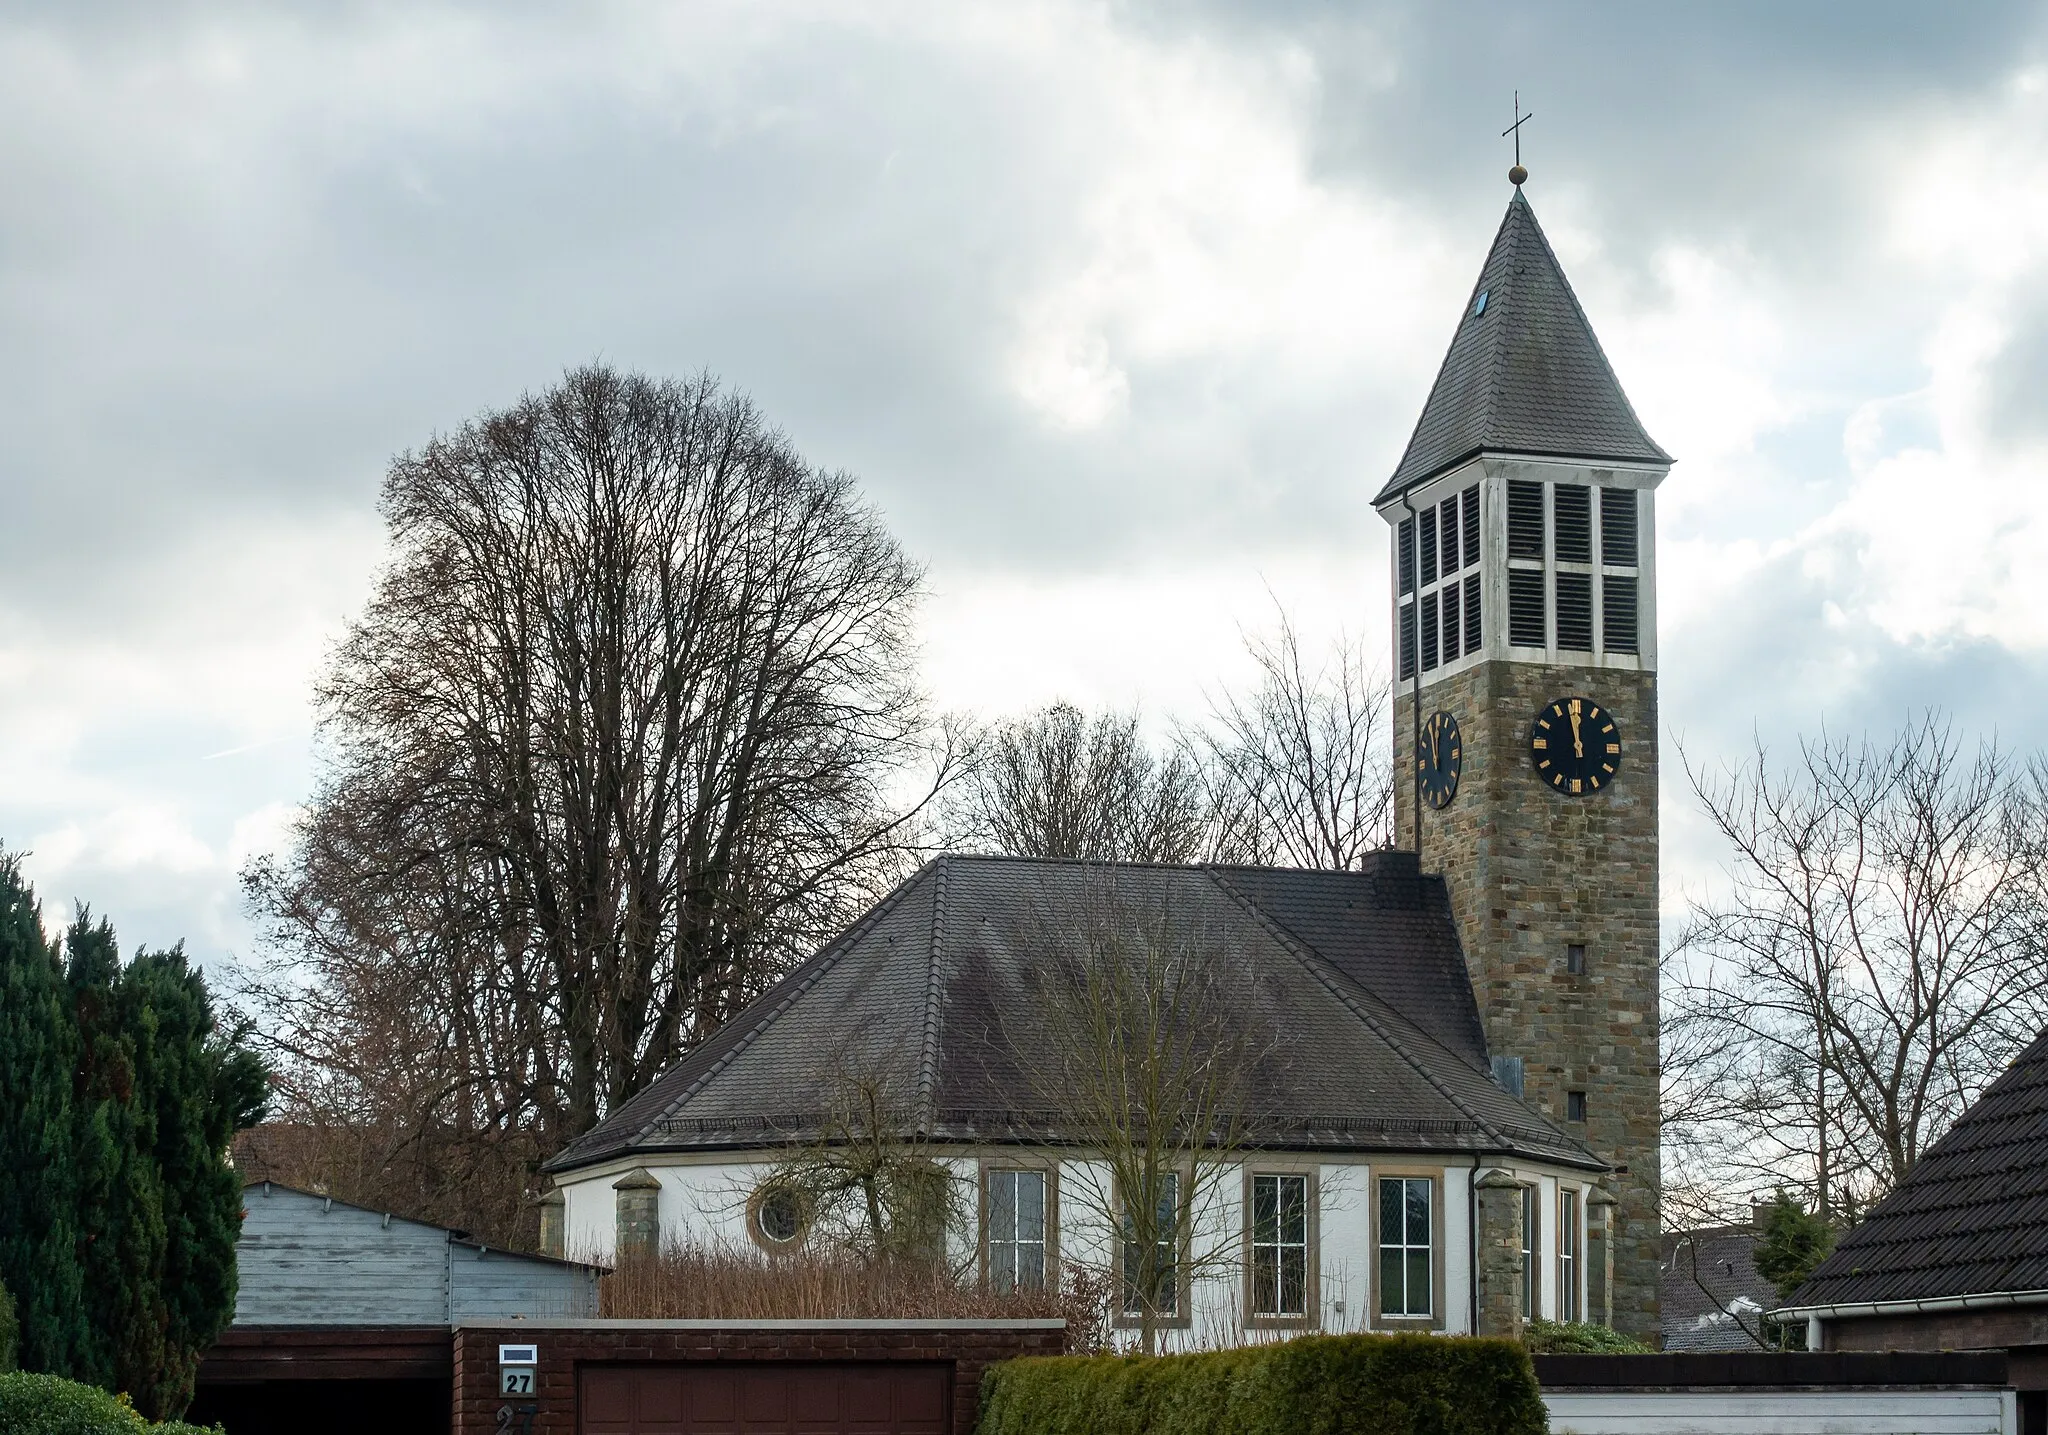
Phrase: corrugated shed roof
[1524,373]
[1971,1217]
[934,992]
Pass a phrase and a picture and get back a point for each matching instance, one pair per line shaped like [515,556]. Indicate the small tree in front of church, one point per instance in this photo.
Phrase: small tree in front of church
[1142,1048]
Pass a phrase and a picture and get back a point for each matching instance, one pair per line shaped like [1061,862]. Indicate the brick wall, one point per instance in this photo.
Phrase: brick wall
[1940,1330]
[1530,871]
[970,1347]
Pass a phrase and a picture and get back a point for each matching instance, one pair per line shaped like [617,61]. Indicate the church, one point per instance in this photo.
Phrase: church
[1454,1125]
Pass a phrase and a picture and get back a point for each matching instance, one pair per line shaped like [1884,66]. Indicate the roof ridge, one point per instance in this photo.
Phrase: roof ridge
[1514,223]
[928,1062]
[1323,973]
[799,981]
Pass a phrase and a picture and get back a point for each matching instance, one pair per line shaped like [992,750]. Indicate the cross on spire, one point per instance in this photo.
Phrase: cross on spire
[1517,174]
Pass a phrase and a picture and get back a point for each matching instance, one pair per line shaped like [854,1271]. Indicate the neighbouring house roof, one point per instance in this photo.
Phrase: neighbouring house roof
[1524,373]
[1710,1294]
[1970,1218]
[934,993]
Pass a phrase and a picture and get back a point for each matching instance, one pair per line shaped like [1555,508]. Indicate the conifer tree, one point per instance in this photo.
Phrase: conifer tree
[195,1086]
[120,1209]
[38,1261]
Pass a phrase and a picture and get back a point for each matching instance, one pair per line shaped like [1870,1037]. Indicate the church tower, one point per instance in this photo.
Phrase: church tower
[1525,639]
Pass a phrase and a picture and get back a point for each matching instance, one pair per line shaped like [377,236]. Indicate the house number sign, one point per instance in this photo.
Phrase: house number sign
[515,1368]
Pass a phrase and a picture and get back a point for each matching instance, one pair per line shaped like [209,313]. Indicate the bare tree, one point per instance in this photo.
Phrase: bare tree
[1877,960]
[1302,771]
[1142,1046]
[617,740]
[1056,784]
[867,1183]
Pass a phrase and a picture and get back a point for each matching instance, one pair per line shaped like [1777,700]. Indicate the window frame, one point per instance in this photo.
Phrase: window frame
[1570,1270]
[1183,1317]
[1435,1176]
[1050,1170]
[1311,1316]
[1532,1251]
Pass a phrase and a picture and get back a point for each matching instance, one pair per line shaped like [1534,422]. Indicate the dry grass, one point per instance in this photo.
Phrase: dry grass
[709,1283]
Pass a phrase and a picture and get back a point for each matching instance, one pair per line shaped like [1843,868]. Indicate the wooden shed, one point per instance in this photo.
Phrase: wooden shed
[345,1316]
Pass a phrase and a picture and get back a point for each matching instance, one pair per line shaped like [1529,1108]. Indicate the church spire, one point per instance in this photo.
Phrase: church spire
[1524,374]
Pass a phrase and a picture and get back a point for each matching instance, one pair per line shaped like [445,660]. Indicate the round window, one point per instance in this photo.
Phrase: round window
[778,1215]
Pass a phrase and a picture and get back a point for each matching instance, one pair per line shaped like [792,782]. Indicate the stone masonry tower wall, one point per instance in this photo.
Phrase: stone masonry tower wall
[1530,875]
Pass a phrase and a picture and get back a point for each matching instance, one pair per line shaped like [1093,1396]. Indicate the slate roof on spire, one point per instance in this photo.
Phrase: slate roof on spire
[1524,373]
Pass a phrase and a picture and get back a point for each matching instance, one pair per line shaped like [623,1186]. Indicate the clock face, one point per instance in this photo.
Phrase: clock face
[1439,758]
[1576,746]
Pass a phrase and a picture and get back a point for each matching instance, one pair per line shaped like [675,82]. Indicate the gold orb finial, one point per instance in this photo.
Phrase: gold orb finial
[1517,175]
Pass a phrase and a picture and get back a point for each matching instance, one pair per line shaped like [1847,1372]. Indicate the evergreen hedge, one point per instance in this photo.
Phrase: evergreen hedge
[1320,1384]
[52,1405]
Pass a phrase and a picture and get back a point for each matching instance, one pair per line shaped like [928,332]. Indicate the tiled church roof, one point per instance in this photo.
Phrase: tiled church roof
[1970,1218]
[1359,973]
[1524,373]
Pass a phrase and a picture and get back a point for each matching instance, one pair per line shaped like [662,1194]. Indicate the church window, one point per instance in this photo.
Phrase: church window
[1406,1265]
[1575,958]
[1529,1252]
[1429,631]
[1404,557]
[1572,517]
[1015,1228]
[1618,613]
[1525,520]
[1525,607]
[1618,527]
[1429,545]
[1575,612]
[1567,1255]
[775,1216]
[1279,1246]
[1452,630]
[1407,641]
[1575,1106]
[1471,505]
[1472,634]
[1162,1272]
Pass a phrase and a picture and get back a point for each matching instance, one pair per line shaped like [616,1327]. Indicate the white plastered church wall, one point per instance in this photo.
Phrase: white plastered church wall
[705,1203]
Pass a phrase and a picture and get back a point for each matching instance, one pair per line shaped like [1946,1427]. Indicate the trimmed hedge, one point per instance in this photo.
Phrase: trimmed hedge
[1312,1385]
[52,1405]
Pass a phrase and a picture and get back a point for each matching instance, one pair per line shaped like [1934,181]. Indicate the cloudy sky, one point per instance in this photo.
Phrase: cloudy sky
[1121,313]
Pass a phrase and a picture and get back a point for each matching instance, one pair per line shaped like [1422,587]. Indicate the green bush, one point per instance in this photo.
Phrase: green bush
[1326,1384]
[1578,1337]
[52,1405]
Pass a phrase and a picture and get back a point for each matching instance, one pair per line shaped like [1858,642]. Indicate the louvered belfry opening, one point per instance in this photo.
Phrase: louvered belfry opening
[1437,589]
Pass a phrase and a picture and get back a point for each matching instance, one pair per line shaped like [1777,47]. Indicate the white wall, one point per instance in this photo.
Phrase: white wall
[705,1202]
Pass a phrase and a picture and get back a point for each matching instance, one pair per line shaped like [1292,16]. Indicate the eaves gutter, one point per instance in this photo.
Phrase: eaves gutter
[1814,1315]
[1842,1310]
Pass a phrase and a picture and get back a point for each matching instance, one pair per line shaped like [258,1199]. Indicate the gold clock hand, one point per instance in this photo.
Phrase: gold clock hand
[1578,747]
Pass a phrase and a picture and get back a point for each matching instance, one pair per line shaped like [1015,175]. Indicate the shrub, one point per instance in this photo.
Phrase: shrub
[52,1405]
[1578,1337]
[1329,1384]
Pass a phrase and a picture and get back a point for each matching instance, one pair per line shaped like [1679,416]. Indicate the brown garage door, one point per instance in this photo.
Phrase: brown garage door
[882,1398]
